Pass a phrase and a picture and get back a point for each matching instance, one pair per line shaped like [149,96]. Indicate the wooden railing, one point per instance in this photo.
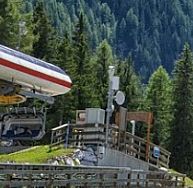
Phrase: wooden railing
[79,135]
[59,135]
[163,160]
[137,147]
[15,175]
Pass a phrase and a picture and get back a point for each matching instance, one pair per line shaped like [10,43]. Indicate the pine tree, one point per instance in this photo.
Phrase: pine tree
[129,83]
[45,44]
[63,104]
[45,47]
[182,127]
[158,100]
[104,58]
[80,68]
[131,29]
[9,23]
[26,37]
[15,26]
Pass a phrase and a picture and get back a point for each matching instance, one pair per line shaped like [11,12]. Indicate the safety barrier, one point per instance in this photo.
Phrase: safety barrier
[14,175]
[136,146]
[84,134]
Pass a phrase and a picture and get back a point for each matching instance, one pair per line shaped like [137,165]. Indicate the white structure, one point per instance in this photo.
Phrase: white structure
[22,74]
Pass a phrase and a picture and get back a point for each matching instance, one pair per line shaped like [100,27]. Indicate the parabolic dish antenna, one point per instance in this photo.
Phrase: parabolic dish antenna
[120,98]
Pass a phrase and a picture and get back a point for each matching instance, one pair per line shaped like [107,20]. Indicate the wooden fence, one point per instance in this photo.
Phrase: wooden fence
[79,135]
[15,175]
[136,146]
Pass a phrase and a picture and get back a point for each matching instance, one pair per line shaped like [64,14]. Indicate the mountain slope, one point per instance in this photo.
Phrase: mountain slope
[154,32]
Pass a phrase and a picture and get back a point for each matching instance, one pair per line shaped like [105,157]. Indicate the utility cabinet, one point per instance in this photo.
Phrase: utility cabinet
[95,115]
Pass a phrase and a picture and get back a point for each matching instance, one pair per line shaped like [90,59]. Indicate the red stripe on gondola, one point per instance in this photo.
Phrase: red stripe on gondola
[35,73]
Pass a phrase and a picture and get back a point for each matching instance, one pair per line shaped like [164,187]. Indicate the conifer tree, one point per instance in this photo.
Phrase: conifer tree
[104,58]
[9,23]
[129,83]
[45,47]
[15,26]
[45,44]
[80,68]
[158,100]
[182,126]
[63,104]
[26,37]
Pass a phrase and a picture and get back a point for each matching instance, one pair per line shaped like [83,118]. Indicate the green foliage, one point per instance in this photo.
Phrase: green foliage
[104,59]
[15,26]
[63,104]
[153,32]
[12,34]
[182,127]
[9,23]
[45,44]
[158,100]
[26,34]
[80,68]
[129,84]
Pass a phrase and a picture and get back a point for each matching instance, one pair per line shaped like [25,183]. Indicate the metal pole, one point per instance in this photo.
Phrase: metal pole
[133,127]
[67,135]
[148,143]
[133,133]
[110,102]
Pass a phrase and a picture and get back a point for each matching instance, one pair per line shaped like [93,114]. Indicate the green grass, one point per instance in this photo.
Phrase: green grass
[38,154]
[188,181]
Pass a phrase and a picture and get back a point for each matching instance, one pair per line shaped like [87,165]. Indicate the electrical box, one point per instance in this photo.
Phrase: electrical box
[115,83]
[95,115]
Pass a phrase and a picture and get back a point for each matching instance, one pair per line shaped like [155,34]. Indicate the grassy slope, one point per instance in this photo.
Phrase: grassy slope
[189,182]
[39,154]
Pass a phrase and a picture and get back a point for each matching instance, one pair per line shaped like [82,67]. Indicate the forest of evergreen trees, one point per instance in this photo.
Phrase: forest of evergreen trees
[142,41]
[153,32]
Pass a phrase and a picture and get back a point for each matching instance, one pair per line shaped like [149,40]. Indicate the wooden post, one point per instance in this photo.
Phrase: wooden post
[148,143]
[139,150]
[129,180]
[176,181]
[30,180]
[138,179]
[146,182]
[183,181]
[68,185]
[101,177]
[115,180]
[8,178]
[146,117]
[50,182]
[52,138]
[125,149]
[86,183]
[149,121]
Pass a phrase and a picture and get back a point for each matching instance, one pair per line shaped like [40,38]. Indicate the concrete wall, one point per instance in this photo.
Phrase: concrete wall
[118,159]
[11,149]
